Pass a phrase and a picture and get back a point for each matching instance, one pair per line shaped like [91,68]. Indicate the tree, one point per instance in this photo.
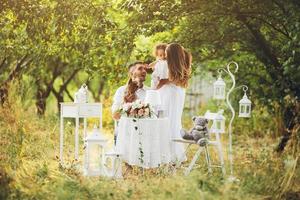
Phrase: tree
[59,39]
[264,33]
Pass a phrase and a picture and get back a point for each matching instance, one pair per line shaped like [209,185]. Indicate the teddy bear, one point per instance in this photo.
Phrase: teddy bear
[199,131]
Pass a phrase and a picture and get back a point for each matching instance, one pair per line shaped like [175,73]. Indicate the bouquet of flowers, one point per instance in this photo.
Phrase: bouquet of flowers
[137,109]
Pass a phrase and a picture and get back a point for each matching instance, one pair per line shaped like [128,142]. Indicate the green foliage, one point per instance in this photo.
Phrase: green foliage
[262,36]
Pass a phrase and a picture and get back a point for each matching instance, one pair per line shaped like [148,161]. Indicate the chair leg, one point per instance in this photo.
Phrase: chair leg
[220,152]
[221,158]
[178,163]
[186,150]
[195,158]
[208,159]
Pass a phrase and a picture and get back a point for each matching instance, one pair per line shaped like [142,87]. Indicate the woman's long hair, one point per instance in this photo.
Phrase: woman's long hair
[179,63]
[132,86]
[130,95]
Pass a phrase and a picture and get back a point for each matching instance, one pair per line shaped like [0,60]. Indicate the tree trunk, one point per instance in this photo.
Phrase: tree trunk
[41,102]
[59,98]
[291,119]
[60,93]
[23,62]
[3,94]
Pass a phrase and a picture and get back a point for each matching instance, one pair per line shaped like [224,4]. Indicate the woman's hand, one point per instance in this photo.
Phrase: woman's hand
[116,115]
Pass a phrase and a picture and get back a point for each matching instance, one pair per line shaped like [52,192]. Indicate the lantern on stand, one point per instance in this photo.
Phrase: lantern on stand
[218,121]
[94,153]
[113,164]
[153,98]
[245,105]
[219,89]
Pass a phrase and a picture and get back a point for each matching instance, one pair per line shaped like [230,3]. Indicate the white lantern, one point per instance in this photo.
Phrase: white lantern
[218,121]
[219,89]
[94,154]
[245,107]
[113,164]
[81,96]
[153,98]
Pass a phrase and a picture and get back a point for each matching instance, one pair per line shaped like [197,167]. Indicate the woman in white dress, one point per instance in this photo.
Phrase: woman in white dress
[173,94]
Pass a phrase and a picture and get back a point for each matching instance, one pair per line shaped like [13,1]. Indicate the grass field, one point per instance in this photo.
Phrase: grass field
[30,168]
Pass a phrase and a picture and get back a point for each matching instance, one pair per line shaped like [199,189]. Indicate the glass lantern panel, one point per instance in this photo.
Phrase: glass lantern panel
[247,109]
[95,152]
[242,109]
[217,90]
[218,125]
[109,162]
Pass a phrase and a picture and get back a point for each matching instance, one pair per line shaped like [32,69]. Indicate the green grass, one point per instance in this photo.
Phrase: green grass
[30,168]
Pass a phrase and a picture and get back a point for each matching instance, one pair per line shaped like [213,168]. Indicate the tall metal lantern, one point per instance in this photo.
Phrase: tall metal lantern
[219,88]
[94,154]
[245,105]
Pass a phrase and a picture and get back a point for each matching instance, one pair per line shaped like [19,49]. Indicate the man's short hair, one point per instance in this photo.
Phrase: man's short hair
[135,63]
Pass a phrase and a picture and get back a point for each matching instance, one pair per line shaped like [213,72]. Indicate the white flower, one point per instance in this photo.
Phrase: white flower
[126,106]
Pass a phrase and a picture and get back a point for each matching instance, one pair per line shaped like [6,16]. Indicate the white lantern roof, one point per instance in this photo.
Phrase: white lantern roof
[245,100]
[153,98]
[214,116]
[96,135]
[219,82]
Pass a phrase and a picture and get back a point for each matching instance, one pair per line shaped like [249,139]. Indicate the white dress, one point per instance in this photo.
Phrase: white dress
[172,98]
[161,71]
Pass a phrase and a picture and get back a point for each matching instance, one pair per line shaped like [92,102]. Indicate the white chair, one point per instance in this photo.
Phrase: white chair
[215,143]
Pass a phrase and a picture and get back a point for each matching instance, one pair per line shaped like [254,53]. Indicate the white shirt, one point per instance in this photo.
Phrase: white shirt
[118,99]
[161,71]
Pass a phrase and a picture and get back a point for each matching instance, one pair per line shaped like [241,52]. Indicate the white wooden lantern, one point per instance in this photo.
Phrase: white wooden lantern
[81,96]
[245,107]
[218,121]
[219,89]
[113,164]
[94,154]
[153,98]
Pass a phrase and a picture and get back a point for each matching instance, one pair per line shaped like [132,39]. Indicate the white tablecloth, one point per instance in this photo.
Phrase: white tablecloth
[144,142]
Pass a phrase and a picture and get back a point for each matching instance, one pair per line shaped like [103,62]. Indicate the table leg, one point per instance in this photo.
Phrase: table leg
[76,137]
[61,146]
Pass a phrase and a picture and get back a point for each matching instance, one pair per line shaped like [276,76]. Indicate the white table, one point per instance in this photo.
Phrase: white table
[78,110]
[152,137]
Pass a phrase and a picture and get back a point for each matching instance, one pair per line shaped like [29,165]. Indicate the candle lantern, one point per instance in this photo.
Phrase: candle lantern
[153,98]
[94,153]
[218,121]
[219,89]
[113,165]
[81,96]
[245,106]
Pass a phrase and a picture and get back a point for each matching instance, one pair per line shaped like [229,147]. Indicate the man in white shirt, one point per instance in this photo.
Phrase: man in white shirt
[137,73]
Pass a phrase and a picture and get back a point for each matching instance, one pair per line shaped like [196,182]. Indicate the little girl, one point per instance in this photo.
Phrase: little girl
[160,73]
